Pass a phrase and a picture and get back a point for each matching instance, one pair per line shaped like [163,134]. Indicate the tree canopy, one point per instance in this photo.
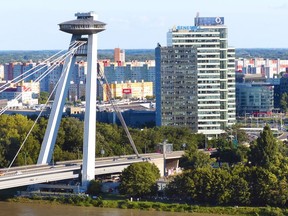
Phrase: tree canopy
[284,102]
[259,178]
[139,179]
[43,97]
[111,139]
[264,150]
[193,159]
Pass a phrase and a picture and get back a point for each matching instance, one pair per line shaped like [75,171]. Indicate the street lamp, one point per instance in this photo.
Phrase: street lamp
[25,159]
[184,146]
[52,160]
[206,146]
[142,130]
[123,148]
[102,152]
[78,153]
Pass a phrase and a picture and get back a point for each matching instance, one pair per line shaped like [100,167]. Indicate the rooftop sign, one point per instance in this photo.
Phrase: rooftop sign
[188,28]
[209,21]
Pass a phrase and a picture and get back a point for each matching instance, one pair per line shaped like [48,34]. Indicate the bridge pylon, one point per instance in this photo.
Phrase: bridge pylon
[84,28]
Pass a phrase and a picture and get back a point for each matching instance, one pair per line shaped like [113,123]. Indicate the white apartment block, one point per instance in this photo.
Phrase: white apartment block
[268,68]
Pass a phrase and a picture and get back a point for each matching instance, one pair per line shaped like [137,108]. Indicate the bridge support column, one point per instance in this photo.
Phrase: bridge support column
[85,25]
[89,143]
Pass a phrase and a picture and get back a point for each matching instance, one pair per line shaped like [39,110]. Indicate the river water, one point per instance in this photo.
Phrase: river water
[33,209]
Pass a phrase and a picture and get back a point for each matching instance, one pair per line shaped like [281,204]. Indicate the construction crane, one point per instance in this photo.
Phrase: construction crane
[102,78]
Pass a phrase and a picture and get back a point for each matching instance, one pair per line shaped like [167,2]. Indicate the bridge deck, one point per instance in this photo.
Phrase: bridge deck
[35,174]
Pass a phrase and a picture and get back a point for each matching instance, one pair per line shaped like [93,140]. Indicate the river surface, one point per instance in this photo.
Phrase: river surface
[33,209]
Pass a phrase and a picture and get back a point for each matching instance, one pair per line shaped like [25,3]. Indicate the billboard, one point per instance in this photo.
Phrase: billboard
[188,28]
[209,21]
[127,91]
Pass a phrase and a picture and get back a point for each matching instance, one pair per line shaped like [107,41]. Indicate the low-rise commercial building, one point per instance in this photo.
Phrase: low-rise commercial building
[128,90]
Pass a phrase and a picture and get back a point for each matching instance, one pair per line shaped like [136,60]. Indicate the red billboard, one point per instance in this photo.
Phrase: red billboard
[127,91]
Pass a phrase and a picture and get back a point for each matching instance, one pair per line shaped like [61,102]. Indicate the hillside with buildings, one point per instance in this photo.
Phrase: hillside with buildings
[132,75]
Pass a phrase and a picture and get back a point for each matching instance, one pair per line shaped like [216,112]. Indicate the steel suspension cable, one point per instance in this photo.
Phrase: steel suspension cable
[66,54]
[6,85]
[35,122]
[117,109]
[43,75]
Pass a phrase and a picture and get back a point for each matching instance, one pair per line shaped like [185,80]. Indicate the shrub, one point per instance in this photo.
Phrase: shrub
[144,205]
[269,211]
[157,206]
[123,204]
[132,205]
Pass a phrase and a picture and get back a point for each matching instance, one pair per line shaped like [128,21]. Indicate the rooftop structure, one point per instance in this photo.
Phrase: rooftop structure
[85,24]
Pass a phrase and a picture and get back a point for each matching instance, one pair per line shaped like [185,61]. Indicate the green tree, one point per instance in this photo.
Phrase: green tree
[232,155]
[109,137]
[73,130]
[94,187]
[43,97]
[239,186]
[229,146]
[239,190]
[139,179]
[178,136]
[205,185]
[219,191]
[222,142]
[263,186]
[264,151]
[239,134]
[284,102]
[13,131]
[193,159]
[180,187]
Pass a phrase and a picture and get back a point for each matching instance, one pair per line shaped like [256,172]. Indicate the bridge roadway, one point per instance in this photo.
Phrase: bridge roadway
[36,174]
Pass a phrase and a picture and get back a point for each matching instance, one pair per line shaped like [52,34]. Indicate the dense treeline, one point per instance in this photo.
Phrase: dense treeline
[41,55]
[25,55]
[268,53]
[111,139]
[132,54]
[240,175]
[259,178]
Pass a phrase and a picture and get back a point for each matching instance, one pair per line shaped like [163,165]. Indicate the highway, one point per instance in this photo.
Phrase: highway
[35,174]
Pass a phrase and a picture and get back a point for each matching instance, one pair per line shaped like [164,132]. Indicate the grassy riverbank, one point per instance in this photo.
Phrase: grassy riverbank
[151,206]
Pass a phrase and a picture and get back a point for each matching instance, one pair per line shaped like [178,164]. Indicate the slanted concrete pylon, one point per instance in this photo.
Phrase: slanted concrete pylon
[85,25]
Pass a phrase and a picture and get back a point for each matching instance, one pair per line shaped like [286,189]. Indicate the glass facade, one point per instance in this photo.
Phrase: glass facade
[215,68]
[254,98]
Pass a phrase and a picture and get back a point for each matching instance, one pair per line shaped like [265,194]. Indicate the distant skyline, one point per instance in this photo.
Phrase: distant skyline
[33,25]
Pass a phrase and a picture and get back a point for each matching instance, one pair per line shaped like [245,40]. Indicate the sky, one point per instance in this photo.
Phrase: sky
[134,24]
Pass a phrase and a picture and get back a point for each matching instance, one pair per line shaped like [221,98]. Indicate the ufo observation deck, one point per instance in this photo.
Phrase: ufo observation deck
[85,24]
